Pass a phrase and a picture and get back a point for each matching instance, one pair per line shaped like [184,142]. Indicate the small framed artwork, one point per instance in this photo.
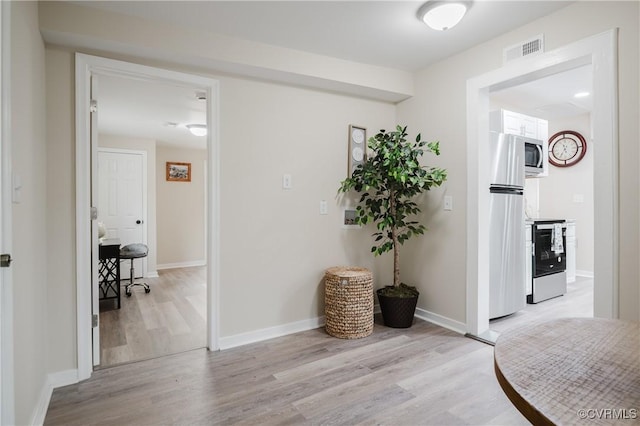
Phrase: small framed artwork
[357,147]
[178,172]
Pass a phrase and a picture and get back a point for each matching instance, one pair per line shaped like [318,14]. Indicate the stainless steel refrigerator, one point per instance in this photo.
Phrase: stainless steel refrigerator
[507,287]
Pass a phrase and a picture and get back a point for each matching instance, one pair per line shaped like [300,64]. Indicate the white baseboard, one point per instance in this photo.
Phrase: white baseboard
[40,411]
[271,332]
[448,323]
[63,378]
[181,264]
[53,380]
[586,274]
[151,274]
[312,323]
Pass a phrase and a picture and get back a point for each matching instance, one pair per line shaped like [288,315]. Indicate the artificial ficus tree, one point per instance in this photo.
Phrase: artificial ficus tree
[389,181]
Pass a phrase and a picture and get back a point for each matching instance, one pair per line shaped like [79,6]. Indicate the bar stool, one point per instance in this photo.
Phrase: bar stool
[131,252]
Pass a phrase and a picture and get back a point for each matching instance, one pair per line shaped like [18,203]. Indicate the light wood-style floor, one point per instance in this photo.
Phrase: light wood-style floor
[424,375]
[168,320]
[420,376]
[577,302]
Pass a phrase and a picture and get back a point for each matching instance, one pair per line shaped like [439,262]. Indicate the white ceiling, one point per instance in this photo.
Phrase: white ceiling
[385,33]
[551,97]
[143,109]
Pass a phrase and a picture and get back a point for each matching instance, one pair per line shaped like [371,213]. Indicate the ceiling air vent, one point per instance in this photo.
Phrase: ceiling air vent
[530,47]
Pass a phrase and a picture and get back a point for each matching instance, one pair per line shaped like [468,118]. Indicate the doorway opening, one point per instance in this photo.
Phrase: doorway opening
[88,68]
[597,52]
[142,127]
[558,193]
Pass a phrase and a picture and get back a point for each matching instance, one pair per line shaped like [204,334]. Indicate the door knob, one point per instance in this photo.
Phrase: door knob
[138,222]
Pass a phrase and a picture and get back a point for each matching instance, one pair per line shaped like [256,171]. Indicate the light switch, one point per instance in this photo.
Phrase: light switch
[323,207]
[448,202]
[287,181]
[16,194]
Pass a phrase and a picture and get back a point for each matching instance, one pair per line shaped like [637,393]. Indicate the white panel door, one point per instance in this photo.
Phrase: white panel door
[121,200]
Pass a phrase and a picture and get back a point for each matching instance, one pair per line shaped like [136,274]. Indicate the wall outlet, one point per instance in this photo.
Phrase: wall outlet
[324,209]
[448,202]
[287,181]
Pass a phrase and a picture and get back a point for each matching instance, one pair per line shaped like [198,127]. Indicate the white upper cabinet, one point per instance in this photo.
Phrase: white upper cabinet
[514,123]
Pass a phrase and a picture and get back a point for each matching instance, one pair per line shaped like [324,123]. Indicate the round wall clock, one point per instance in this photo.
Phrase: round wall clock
[566,148]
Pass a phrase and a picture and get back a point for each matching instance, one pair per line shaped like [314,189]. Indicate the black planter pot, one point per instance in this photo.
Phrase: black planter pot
[397,312]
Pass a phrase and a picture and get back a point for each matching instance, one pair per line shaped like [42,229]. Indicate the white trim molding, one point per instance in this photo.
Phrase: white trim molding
[85,67]
[585,274]
[54,381]
[313,323]
[270,332]
[7,365]
[187,264]
[444,322]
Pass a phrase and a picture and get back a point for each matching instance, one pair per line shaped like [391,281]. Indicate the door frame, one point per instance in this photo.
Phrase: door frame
[85,67]
[599,51]
[7,391]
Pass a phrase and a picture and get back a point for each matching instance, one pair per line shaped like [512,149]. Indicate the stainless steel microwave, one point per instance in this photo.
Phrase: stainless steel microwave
[533,157]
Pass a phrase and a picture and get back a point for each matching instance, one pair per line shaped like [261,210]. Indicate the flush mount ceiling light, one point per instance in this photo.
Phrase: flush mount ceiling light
[442,15]
[197,129]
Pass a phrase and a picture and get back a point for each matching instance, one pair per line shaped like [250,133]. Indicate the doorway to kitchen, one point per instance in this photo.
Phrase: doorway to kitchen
[88,67]
[598,52]
[560,105]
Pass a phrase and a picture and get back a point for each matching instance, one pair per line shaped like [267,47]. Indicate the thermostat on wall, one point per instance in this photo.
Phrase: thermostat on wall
[349,221]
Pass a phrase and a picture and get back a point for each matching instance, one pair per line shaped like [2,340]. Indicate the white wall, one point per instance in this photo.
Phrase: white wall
[149,146]
[30,216]
[181,219]
[61,257]
[438,109]
[275,245]
[560,192]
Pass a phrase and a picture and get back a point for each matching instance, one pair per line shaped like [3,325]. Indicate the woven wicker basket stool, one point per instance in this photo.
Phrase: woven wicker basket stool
[348,302]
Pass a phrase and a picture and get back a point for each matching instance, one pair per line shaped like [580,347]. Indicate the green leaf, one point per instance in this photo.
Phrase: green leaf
[389,183]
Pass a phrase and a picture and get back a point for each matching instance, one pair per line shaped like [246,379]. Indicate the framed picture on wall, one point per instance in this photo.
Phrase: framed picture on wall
[178,172]
[357,147]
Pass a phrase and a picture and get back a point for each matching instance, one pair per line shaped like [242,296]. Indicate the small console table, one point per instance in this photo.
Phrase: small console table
[109,270]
